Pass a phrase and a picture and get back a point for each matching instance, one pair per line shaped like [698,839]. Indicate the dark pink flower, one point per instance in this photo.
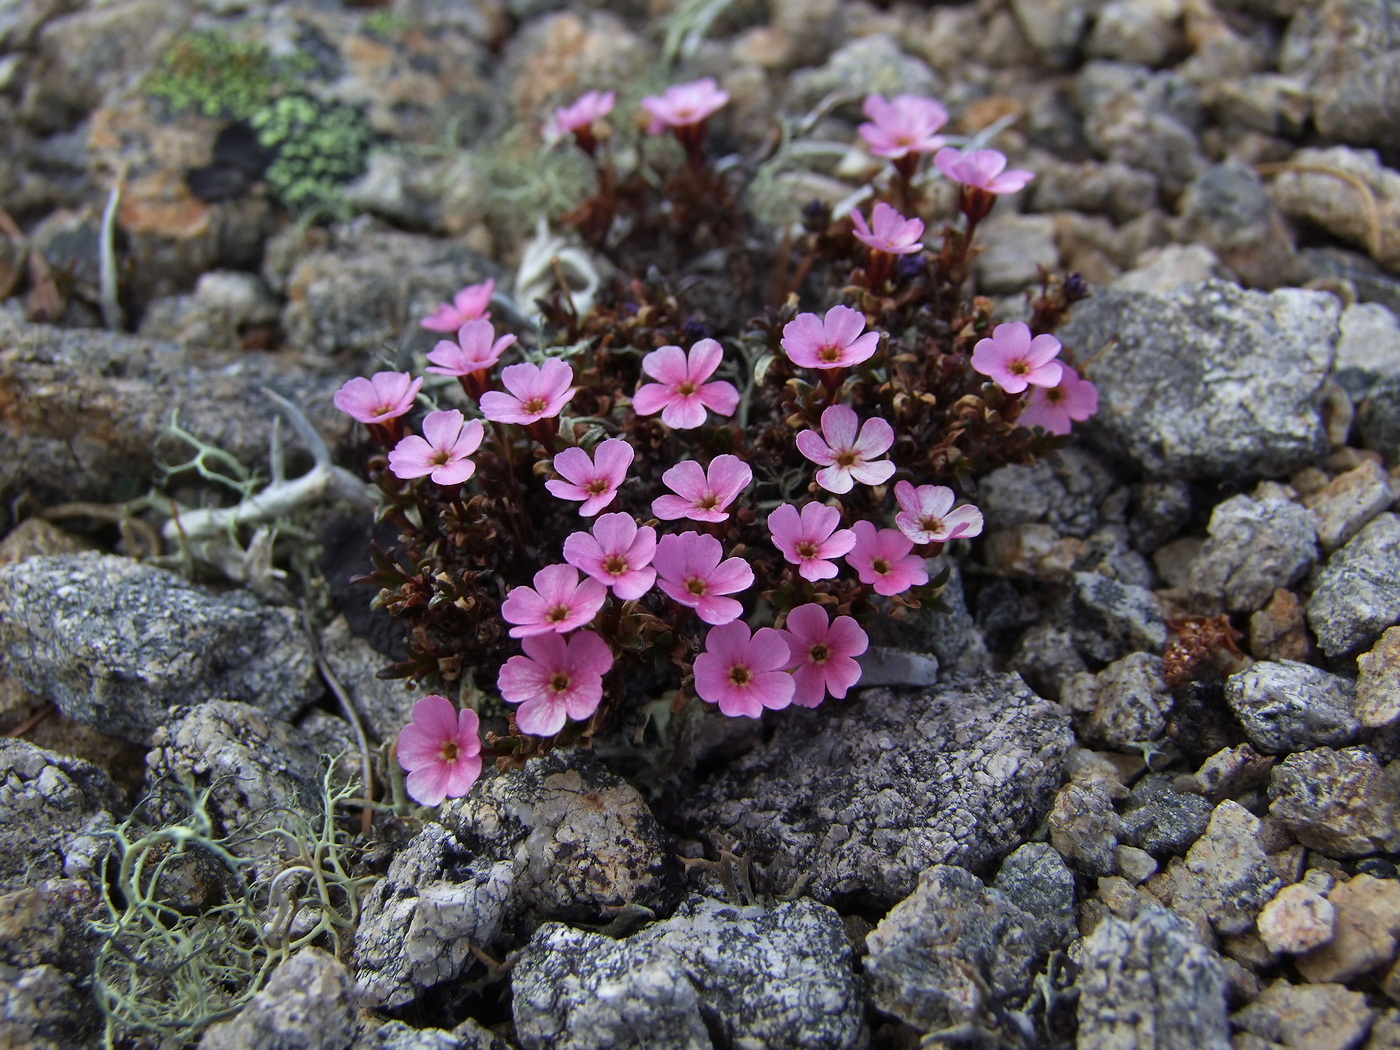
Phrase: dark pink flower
[689,569]
[981,169]
[681,394]
[467,305]
[442,452]
[903,125]
[1013,360]
[440,750]
[889,231]
[845,457]
[580,115]
[926,514]
[476,350]
[595,480]
[1054,407]
[557,603]
[882,558]
[617,553]
[810,538]
[386,396]
[536,392]
[555,680]
[683,105]
[831,342]
[702,495]
[742,672]
[822,654]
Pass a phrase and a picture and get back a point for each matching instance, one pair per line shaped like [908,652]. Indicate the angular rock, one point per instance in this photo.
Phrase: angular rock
[1068,490]
[1366,926]
[41,1009]
[1279,631]
[1161,509]
[1297,920]
[1142,32]
[1231,772]
[48,922]
[1162,820]
[384,705]
[1084,826]
[1108,619]
[1145,120]
[1015,249]
[1127,702]
[1358,591]
[1235,878]
[1378,683]
[307,1004]
[1341,803]
[1349,501]
[1286,706]
[1311,195]
[1228,210]
[1255,547]
[1035,879]
[1369,347]
[1321,1016]
[1378,419]
[1047,658]
[1362,106]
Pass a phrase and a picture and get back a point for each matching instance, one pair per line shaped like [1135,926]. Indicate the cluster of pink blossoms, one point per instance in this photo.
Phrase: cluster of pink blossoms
[1015,361]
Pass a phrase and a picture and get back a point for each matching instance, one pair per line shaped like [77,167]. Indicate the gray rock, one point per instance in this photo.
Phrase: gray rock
[1046,656]
[1126,703]
[1378,419]
[41,1009]
[1370,341]
[1161,509]
[1036,879]
[1311,195]
[1244,400]
[114,643]
[1358,592]
[1068,490]
[1084,826]
[1148,982]
[307,1004]
[862,797]
[1170,269]
[1228,210]
[1108,619]
[1318,1016]
[1143,32]
[1255,547]
[1145,120]
[1014,251]
[940,954]
[1342,803]
[881,665]
[49,922]
[1233,877]
[1288,706]
[1162,820]
[1349,501]
[384,705]
[1115,190]
[753,976]
[395,1035]
[948,637]
[869,65]
[1378,682]
[1362,107]
[1054,28]
[1267,102]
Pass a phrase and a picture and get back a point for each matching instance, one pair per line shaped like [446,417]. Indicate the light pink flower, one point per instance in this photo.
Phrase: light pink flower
[889,231]
[440,750]
[681,394]
[476,350]
[903,125]
[821,654]
[580,115]
[442,451]
[809,539]
[617,553]
[683,105]
[702,495]
[981,169]
[1013,360]
[844,457]
[558,602]
[926,514]
[881,558]
[831,342]
[690,572]
[595,480]
[743,672]
[1054,407]
[467,305]
[386,396]
[536,392]
[555,680]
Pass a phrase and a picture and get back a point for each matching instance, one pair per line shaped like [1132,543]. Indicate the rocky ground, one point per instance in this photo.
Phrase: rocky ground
[1139,786]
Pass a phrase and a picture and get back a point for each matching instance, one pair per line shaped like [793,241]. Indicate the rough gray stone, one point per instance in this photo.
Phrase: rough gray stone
[307,1004]
[1143,32]
[1318,1016]
[1161,510]
[1084,826]
[754,976]
[1115,190]
[1047,658]
[1054,28]
[1036,879]
[384,705]
[1067,490]
[1349,501]
[1235,879]
[1211,381]
[1145,120]
[1170,269]
[1369,343]
[1255,547]
[114,643]
[1358,591]
[861,797]
[395,1035]
[874,64]
[1362,107]
[1341,803]
[1378,683]
[1228,210]
[1289,706]
[1162,820]
[1108,619]
[1126,703]
[1014,250]
[1310,195]
[41,1009]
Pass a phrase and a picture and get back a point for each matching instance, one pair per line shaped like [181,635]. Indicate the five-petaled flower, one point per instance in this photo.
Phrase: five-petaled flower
[906,124]
[681,393]
[808,539]
[475,352]
[822,654]
[557,603]
[844,457]
[1054,407]
[577,118]
[442,453]
[440,750]
[555,680]
[926,514]
[888,231]
[536,392]
[1013,360]
[684,105]
[702,495]
[467,305]
[689,570]
[742,672]
[882,559]
[595,481]
[617,553]
[384,396]
[981,169]
[834,341]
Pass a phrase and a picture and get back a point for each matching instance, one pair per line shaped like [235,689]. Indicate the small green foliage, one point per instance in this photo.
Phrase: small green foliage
[215,73]
[317,146]
[383,23]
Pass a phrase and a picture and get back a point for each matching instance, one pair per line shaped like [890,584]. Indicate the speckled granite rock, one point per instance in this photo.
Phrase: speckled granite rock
[1343,803]
[1378,683]
[1358,592]
[1255,547]
[307,1004]
[1286,706]
[1036,879]
[1125,704]
[1318,1016]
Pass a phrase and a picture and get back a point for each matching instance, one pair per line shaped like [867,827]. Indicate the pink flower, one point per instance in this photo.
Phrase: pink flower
[702,495]
[555,680]
[981,169]
[831,342]
[926,514]
[1054,407]
[580,115]
[475,350]
[882,558]
[443,455]
[808,540]
[821,654]
[742,672]
[683,105]
[536,392]
[691,573]
[558,602]
[681,394]
[903,125]
[440,750]
[892,232]
[595,480]
[1014,360]
[617,553]
[845,457]
[386,396]
[467,305]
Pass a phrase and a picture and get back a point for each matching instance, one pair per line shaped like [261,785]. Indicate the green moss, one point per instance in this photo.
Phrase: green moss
[318,147]
[216,74]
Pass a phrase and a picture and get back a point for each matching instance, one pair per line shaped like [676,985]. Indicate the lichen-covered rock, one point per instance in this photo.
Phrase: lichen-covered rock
[861,797]
[1378,683]
[1067,490]
[384,705]
[115,643]
[307,1004]
[42,1009]
[1286,706]
[1317,1016]
[1126,703]
[1342,803]
[1358,592]
[1109,619]
[1036,879]
[48,923]
[1162,820]
[1255,547]
[1084,826]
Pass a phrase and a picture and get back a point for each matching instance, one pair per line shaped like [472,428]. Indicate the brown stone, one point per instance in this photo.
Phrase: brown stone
[1367,925]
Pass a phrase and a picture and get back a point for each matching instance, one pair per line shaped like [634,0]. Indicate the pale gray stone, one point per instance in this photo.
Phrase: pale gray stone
[1358,591]
[1287,706]
[1317,1016]
[1255,547]
[307,1004]
[1342,803]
